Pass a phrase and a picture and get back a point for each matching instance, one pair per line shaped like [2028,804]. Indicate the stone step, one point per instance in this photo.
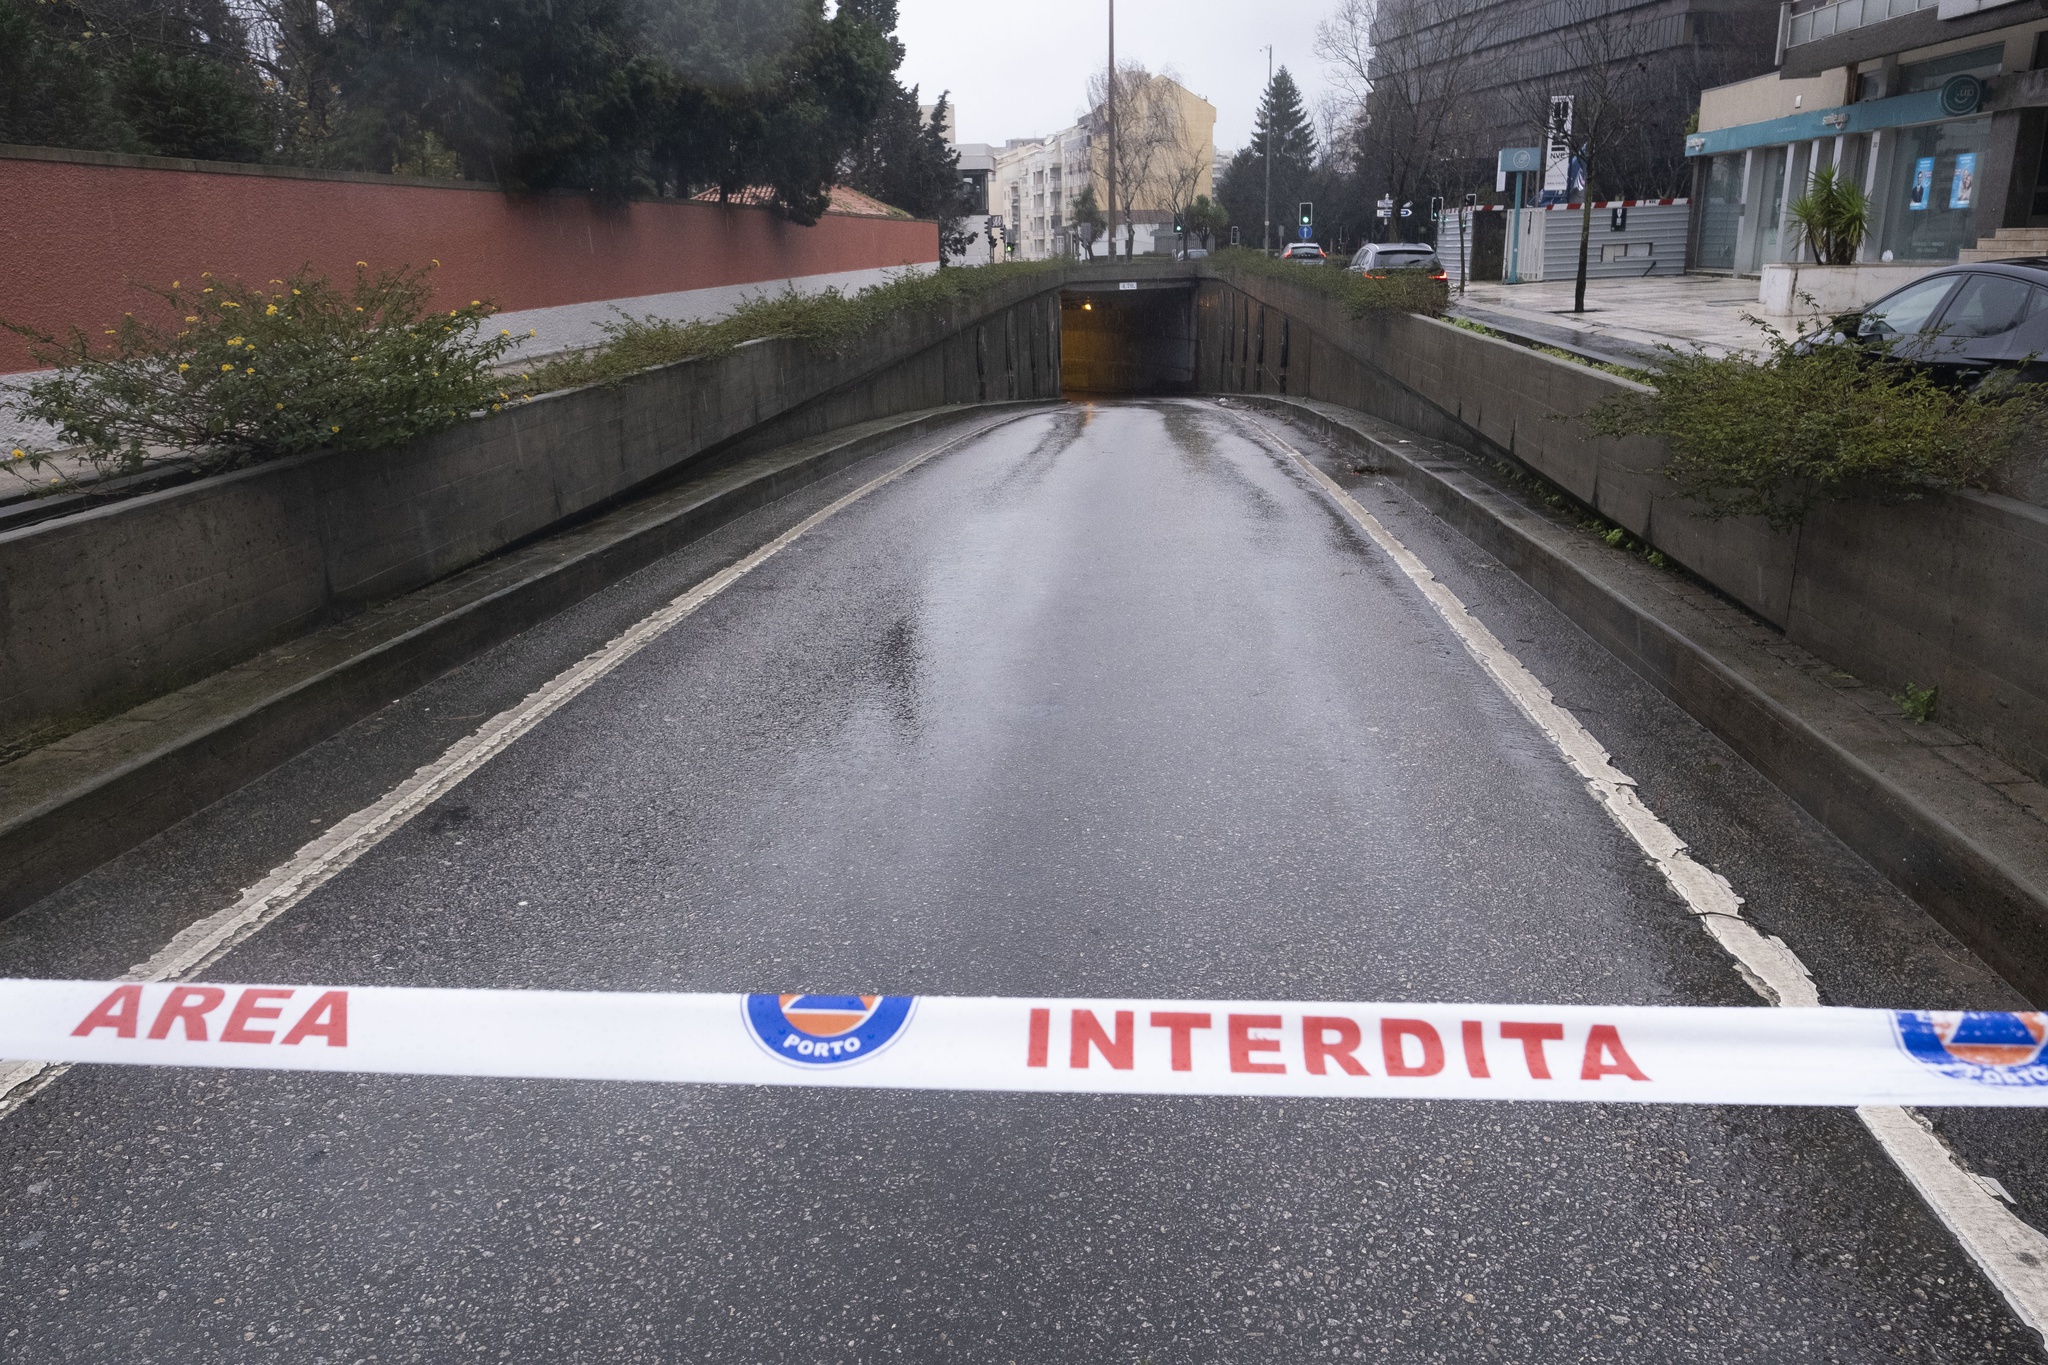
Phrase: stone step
[2006,243]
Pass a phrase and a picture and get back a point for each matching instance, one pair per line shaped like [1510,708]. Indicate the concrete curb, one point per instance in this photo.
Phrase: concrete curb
[73,804]
[1958,830]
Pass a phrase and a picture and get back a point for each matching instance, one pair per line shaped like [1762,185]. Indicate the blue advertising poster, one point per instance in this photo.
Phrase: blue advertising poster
[1964,182]
[1923,183]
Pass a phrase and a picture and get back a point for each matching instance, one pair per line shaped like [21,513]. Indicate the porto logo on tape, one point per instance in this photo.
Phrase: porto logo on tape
[1971,1045]
[827,1030]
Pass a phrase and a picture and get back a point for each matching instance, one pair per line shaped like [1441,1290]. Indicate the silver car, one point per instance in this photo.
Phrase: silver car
[1381,258]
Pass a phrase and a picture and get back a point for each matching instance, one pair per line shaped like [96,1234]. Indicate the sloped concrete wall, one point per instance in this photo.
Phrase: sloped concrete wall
[1949,591]
[112,606]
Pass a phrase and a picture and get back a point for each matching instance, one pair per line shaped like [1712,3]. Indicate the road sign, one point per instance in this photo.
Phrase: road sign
[1514,160]
[1307,232]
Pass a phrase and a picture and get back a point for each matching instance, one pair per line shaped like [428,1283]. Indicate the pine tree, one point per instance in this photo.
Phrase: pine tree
[1242,192]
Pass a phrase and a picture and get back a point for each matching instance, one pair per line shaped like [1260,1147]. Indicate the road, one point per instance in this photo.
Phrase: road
[1110,700]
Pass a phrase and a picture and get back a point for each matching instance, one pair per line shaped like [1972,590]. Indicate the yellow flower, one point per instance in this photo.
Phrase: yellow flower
[530,331]
[334,428]
[476,303]
[193,318]
[295,291]
[182,367]
[229,303]
[504,332]
[364,264]
[20,454]
[251,370]
[234,341]
[280,407]
[226,368]
[271,311]
[110,331]
[174,284]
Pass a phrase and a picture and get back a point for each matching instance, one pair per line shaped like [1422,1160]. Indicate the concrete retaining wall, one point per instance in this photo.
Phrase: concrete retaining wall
[1950,591]
[108,607]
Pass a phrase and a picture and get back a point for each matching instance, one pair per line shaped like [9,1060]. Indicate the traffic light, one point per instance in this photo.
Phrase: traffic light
[1470,200]
[1436,208]
[1180,223]
[1307,216]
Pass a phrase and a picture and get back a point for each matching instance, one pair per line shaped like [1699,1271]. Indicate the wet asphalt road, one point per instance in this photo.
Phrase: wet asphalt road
[1110,702]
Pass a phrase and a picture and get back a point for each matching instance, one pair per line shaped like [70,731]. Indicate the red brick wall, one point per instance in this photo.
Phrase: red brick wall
[76,235]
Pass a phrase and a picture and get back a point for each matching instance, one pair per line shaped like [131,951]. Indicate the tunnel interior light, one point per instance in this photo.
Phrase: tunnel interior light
[1087,307]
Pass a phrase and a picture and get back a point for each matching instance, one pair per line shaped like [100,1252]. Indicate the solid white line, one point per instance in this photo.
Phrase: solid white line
[205,941]
[2012,1254]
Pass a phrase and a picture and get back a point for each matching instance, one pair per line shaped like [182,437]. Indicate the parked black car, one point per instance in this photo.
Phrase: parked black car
[1962,323]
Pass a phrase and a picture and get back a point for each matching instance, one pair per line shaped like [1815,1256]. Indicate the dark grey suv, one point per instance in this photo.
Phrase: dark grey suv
[1963,323]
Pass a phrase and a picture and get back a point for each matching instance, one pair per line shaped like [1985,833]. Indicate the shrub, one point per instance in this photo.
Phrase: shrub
[248,374]
[1777,436]
[826,320]
[1406,291]
[1832,216]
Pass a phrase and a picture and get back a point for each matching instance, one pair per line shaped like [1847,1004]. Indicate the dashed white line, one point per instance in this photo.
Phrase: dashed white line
[205,941]
[2012,1254]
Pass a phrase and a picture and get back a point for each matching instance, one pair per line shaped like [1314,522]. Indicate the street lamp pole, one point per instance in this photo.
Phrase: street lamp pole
[1109,110]
[1269,149]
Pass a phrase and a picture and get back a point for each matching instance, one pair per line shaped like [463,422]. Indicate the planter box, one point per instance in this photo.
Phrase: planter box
[1794,289]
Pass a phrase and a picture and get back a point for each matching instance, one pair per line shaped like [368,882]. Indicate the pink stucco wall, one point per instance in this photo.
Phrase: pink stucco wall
[76,236]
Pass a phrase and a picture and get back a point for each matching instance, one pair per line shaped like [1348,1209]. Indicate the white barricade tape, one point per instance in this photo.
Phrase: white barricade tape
[1662,1055]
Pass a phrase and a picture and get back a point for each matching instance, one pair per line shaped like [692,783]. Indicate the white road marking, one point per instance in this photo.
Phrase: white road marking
[2012,1254]
[206,941]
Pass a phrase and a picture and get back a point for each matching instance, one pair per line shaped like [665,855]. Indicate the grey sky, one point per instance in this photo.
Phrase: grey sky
[1018,70]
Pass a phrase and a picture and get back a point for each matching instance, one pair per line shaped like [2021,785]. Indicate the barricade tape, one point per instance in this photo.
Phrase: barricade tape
[1642,1054]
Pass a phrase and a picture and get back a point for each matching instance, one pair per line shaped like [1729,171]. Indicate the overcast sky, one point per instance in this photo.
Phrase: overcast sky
[1022,70]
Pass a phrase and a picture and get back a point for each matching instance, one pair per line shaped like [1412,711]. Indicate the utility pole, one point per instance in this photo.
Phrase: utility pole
[1269,149]
[1109,107]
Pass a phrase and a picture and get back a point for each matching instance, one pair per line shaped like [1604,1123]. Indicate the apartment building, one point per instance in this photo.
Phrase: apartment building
[1168,153]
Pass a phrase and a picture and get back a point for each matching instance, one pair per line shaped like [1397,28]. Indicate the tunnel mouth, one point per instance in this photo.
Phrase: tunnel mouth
[1127,337]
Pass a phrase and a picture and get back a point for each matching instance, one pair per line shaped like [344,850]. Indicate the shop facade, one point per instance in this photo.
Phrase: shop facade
[1939,120]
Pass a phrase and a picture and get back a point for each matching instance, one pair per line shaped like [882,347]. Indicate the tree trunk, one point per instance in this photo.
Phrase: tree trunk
[1585,239]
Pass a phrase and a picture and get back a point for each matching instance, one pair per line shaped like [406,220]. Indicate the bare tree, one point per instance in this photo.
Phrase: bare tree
[1406,67]
[1153,154]
[1604,61]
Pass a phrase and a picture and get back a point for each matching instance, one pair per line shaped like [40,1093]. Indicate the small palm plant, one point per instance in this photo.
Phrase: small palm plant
[1832,216]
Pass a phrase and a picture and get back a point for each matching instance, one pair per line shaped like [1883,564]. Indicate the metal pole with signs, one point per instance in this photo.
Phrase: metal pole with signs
[1518,162]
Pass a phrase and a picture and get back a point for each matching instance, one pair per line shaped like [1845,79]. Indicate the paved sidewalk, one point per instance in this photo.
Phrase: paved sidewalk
[1626,319]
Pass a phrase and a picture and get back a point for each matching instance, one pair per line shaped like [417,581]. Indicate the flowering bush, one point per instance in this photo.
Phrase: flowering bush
[247,374]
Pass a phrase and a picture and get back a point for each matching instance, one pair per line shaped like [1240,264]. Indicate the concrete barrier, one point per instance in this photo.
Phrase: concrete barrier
[101,610]
[1946,592]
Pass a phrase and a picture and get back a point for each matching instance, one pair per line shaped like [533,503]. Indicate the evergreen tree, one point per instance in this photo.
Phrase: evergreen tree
[534,94]
[905,161]
[1242,192]
[161,77]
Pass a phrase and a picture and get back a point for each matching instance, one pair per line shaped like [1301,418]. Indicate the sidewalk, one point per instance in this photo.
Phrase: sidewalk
[1625,320]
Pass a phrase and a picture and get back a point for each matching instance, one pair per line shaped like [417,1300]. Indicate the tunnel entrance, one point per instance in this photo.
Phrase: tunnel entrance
[1127,337]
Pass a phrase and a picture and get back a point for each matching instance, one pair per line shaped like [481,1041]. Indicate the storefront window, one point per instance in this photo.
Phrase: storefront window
[1721,214]
[1930,203]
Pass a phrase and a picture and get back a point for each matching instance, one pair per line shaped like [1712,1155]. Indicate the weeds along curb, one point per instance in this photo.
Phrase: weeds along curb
[73,804]
[1965,849]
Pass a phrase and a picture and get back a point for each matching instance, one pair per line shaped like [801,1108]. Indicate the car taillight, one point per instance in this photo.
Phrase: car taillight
[1441,274]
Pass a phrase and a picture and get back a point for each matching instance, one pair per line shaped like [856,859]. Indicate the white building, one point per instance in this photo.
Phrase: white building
[1032,192]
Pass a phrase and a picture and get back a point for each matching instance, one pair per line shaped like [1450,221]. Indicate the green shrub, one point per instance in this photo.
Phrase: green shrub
[1406,291]
[1777,436]
[826,320]
[248,374]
